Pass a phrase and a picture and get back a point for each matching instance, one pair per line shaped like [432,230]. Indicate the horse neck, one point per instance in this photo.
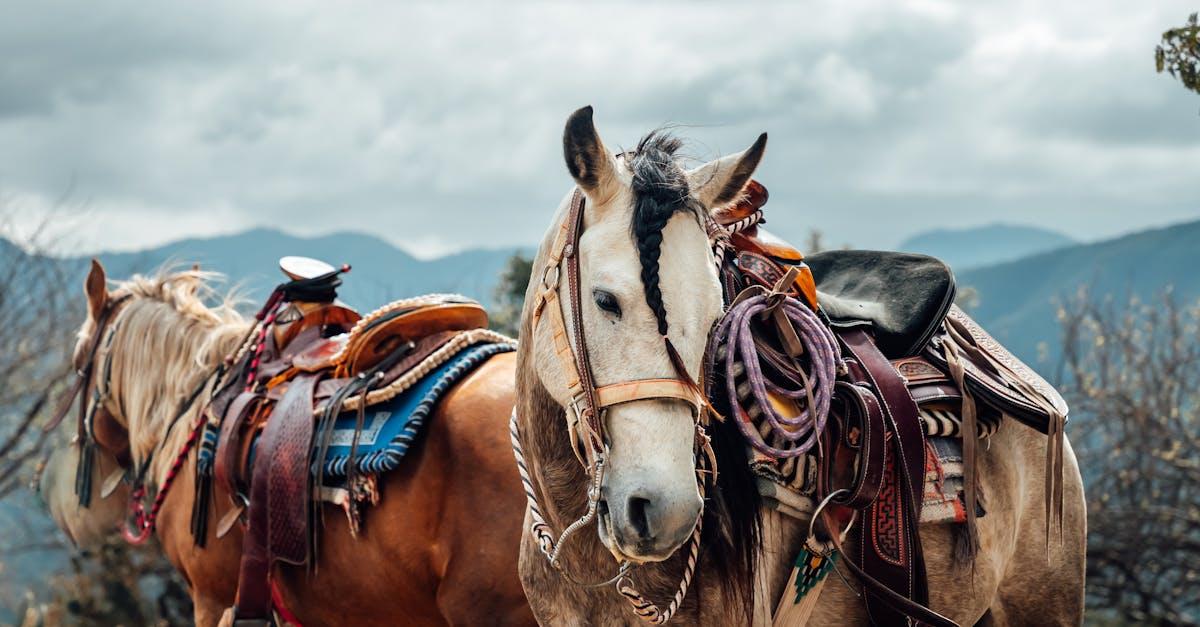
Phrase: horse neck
[178,378]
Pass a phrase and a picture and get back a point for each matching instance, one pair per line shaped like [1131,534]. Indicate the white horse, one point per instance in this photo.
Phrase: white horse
[646,270]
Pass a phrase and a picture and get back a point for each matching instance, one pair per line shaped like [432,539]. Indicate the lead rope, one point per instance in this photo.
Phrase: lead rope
[551,548]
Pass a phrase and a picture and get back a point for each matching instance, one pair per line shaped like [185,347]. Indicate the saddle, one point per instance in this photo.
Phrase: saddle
[309,362]
[902,297]
[906,350]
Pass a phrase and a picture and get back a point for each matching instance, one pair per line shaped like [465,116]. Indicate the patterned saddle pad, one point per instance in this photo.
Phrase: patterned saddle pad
[389,428]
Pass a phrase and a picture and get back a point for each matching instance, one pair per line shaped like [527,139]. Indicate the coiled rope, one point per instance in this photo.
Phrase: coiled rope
[736,332]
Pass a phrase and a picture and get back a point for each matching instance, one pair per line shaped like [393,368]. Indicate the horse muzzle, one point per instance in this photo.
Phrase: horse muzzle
[647,526]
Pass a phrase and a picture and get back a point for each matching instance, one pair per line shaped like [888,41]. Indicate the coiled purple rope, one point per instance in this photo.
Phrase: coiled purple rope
[735,332]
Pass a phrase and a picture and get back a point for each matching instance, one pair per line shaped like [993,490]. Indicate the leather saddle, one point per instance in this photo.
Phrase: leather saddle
[902,341]
[309,363]
[903,297]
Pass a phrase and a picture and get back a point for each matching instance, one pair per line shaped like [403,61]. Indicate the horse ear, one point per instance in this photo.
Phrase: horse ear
[718,182]
[591,165]
[96,288]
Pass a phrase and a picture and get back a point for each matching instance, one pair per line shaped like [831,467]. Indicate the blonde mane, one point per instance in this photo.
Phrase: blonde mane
[166,341]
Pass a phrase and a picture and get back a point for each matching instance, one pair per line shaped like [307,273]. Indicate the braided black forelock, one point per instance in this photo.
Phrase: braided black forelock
[733,527]
[660,189]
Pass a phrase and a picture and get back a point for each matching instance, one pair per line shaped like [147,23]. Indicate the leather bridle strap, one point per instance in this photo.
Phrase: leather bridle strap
[548,306]
[642,389]
[890,545]
[587,402]
[583,362]
[84,375]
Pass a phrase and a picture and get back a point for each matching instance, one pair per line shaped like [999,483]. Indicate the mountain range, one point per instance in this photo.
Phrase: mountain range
[380,272]
[984,245]
[1015,298]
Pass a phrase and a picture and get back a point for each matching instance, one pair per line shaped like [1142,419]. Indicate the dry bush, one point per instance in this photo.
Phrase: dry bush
[41,306]
[1132,372]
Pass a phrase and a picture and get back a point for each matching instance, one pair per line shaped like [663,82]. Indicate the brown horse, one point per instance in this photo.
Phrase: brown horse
[440,548]
[646,274]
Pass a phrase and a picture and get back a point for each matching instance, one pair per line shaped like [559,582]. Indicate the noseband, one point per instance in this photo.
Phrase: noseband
[587,406]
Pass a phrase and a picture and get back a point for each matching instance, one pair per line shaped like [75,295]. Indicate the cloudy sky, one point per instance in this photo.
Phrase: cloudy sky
[437,126]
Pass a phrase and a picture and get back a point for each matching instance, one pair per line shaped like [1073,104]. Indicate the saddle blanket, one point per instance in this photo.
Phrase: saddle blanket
[389,428]
[943,501]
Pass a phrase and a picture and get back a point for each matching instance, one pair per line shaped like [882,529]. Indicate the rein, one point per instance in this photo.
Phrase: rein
[145,520]
[585,415]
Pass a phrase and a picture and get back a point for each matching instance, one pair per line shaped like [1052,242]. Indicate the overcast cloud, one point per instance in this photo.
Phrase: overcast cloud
[437,126]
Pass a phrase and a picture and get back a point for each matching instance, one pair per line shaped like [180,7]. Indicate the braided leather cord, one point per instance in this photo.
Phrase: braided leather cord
[550,547]
[418,372]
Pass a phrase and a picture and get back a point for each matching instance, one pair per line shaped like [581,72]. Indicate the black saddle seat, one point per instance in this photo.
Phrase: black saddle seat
[902,296]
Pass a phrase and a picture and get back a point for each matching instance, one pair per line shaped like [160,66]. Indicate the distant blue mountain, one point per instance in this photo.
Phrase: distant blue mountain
[984,245]
[380,271]
[1017,300]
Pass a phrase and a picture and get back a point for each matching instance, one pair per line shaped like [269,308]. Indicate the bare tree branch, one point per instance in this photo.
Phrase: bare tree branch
[1132,372]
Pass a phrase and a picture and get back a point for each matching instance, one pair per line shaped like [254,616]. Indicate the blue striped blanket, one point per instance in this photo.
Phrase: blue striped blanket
[389,428]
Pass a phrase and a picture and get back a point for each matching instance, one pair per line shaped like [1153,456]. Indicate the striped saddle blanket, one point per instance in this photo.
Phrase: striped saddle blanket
[390,428]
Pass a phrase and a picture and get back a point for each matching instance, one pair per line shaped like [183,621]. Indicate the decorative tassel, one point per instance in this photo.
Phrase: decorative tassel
[808,576]
[201,502]
[811,570]
[83,472]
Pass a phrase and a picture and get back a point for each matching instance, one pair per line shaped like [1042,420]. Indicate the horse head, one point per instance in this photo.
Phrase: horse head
[141,351]
[648,296]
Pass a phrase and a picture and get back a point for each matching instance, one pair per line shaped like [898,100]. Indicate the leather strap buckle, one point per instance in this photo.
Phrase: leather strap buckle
[252,622]
[583,441]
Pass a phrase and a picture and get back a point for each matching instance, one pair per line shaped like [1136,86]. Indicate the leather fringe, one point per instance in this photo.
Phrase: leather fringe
[83,472]
[201,503]
[969,442]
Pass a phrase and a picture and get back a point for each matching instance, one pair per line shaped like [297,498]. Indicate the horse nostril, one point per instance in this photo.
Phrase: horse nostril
[639,517]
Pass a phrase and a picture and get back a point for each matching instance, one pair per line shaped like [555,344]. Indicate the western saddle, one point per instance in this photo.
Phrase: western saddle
[309,359]
[906,348]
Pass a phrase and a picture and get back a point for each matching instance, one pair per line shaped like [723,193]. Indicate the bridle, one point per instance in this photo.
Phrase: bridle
[84,375]
[587,406]
[106,326]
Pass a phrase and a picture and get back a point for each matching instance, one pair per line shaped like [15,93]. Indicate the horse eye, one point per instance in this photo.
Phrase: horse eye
[607,302]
